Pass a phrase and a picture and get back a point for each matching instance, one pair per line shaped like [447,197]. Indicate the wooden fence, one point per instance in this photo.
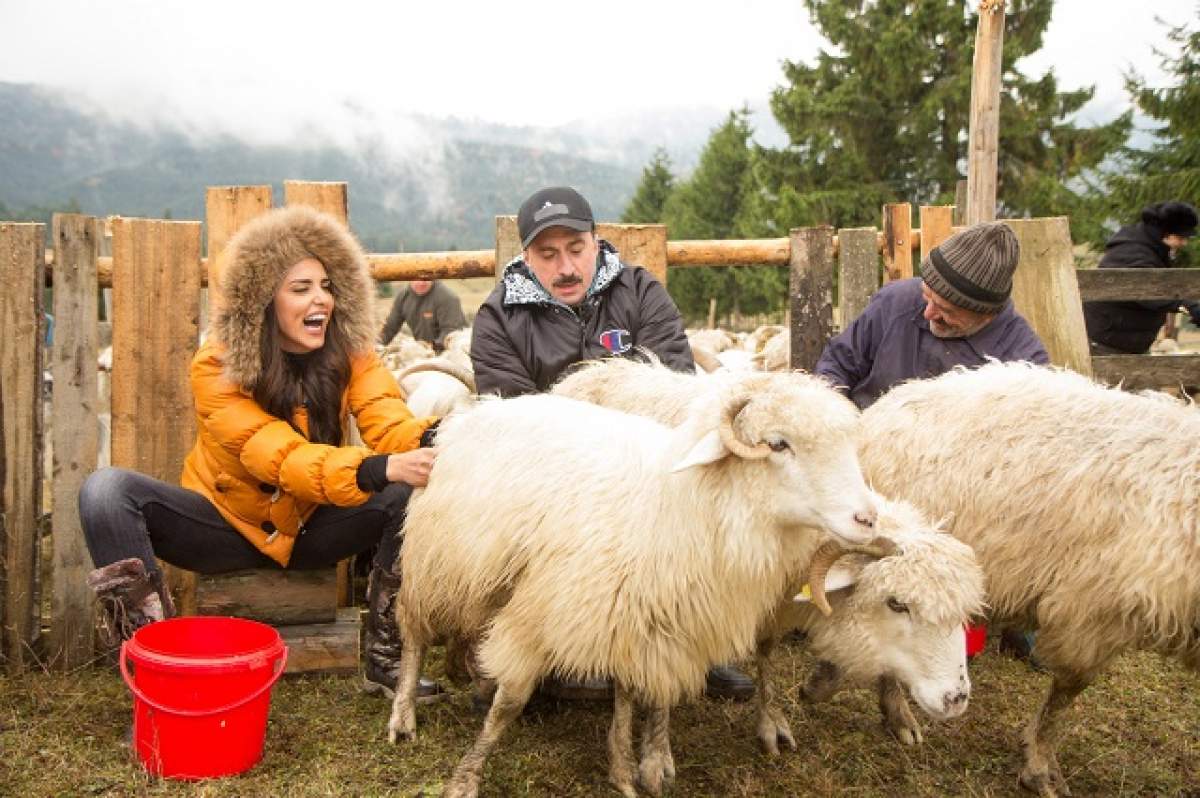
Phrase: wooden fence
[156,272]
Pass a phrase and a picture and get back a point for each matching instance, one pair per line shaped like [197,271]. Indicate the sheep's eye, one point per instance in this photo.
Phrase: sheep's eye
[895,605]
[779,445]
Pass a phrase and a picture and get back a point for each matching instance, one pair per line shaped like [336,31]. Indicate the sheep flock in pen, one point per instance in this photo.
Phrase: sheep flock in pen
[692,537]
[1079,502]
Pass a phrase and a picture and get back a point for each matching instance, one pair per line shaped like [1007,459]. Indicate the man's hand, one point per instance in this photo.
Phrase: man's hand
[411,467]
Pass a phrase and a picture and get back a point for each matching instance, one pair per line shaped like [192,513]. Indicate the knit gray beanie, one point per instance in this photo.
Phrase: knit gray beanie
[973,269]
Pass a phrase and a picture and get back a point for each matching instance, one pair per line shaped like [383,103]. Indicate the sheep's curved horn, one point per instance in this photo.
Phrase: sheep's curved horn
[444,366]
[732,442]
[705,359]
[830,552]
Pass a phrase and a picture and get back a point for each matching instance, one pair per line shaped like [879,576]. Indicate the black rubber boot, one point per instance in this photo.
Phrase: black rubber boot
[382,644]
[130,598]
[729,683]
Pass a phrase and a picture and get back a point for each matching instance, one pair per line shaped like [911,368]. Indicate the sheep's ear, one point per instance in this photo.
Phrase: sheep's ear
[838,578]
[708,449]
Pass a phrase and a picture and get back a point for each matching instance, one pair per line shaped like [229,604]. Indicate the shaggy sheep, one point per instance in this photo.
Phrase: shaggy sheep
[632,551]
[776,353]
[950,589]
[1081,503]
[435,386]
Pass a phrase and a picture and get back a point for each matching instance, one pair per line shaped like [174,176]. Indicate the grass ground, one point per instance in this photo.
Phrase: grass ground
[1135,733]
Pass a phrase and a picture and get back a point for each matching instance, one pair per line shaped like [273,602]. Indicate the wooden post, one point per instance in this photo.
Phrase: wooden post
[960,203]
[642,245]
[226,209]
[332,198]
[936,224]
[1046,292]
[858,271]
[22,273]
[811,290]
[897,241]
[508,243]
[153,419]
[983,141]
[75,433]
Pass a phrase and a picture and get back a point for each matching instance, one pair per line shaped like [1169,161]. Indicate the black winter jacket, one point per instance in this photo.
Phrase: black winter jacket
[524,340]
[1133,326]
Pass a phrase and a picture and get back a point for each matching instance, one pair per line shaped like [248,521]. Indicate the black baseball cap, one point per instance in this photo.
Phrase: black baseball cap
[556,206]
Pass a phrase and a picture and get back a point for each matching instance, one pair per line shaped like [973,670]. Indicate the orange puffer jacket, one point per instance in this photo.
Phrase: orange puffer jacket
[266,478]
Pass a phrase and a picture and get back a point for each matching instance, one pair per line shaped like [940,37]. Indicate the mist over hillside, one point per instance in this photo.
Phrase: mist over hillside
[416,183]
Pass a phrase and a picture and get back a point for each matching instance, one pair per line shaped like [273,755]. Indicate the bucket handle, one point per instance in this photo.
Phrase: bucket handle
[199,713]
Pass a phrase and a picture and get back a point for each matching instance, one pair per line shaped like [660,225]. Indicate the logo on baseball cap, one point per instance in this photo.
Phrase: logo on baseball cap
[556,206]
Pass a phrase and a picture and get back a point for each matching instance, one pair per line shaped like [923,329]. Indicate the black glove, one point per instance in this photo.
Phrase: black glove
[429,434]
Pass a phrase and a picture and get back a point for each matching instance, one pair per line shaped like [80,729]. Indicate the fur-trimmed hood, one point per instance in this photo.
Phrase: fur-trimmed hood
[256,260]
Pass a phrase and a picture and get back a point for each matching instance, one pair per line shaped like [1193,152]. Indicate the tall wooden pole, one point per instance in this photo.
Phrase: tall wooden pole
[984,137]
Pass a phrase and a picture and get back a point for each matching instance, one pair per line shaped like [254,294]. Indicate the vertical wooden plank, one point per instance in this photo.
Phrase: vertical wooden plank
[153,419]
[642,245]
[331,198]
[1046,291]
[936,224]
[22,273]
[76,439]
[508,243]
[960,203]
[983,139]
[858,270]
[811,290]
[226,209]
[897,241]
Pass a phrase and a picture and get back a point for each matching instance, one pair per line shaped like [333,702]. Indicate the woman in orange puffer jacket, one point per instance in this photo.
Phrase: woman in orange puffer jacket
[271,481]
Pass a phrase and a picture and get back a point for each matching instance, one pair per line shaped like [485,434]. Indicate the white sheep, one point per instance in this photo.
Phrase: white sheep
[433,387]
[933,575]
[592,543]
[1081,502]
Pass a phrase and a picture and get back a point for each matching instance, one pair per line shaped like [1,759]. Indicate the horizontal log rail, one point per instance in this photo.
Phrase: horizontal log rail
[1135,285]
[464,264]
[1137,372]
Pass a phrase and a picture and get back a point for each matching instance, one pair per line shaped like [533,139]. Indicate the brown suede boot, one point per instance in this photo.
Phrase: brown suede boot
[130,598]
[382,644]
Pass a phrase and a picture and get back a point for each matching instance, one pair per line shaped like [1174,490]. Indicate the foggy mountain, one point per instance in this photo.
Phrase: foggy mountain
[428,184]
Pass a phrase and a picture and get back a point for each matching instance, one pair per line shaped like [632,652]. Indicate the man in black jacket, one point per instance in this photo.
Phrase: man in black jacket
[569,298]
[1116,328]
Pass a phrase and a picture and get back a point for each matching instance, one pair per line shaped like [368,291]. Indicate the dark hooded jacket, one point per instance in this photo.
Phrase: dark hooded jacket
[261,472]
[1133,326]
[524,340]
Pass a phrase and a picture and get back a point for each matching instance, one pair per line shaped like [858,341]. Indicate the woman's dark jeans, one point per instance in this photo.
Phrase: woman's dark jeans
[127,514]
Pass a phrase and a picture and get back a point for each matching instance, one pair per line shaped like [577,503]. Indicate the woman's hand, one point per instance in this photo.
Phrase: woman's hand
[411,467]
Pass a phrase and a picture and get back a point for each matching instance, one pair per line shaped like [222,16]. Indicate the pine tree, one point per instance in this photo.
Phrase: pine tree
[652,192]
[883,116]
[1170,168]
[705,206]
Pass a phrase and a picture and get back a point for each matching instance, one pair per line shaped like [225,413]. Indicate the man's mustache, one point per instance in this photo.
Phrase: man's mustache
[563,282]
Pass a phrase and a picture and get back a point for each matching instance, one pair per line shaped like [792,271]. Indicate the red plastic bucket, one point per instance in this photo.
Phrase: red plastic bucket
[202,690]
[976,638]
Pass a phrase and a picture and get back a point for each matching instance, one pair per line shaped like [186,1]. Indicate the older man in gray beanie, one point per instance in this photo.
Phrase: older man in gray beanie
[957,313]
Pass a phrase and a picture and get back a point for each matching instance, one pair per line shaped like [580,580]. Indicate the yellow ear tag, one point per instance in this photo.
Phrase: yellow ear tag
[806,591]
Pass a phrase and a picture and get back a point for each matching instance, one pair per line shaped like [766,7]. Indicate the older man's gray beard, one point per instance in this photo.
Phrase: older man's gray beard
[943,331]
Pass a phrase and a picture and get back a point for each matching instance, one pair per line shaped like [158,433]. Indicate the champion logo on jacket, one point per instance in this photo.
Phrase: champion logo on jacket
[616,341]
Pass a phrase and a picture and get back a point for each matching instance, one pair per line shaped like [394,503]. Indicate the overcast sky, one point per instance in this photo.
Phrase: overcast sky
[268,69]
